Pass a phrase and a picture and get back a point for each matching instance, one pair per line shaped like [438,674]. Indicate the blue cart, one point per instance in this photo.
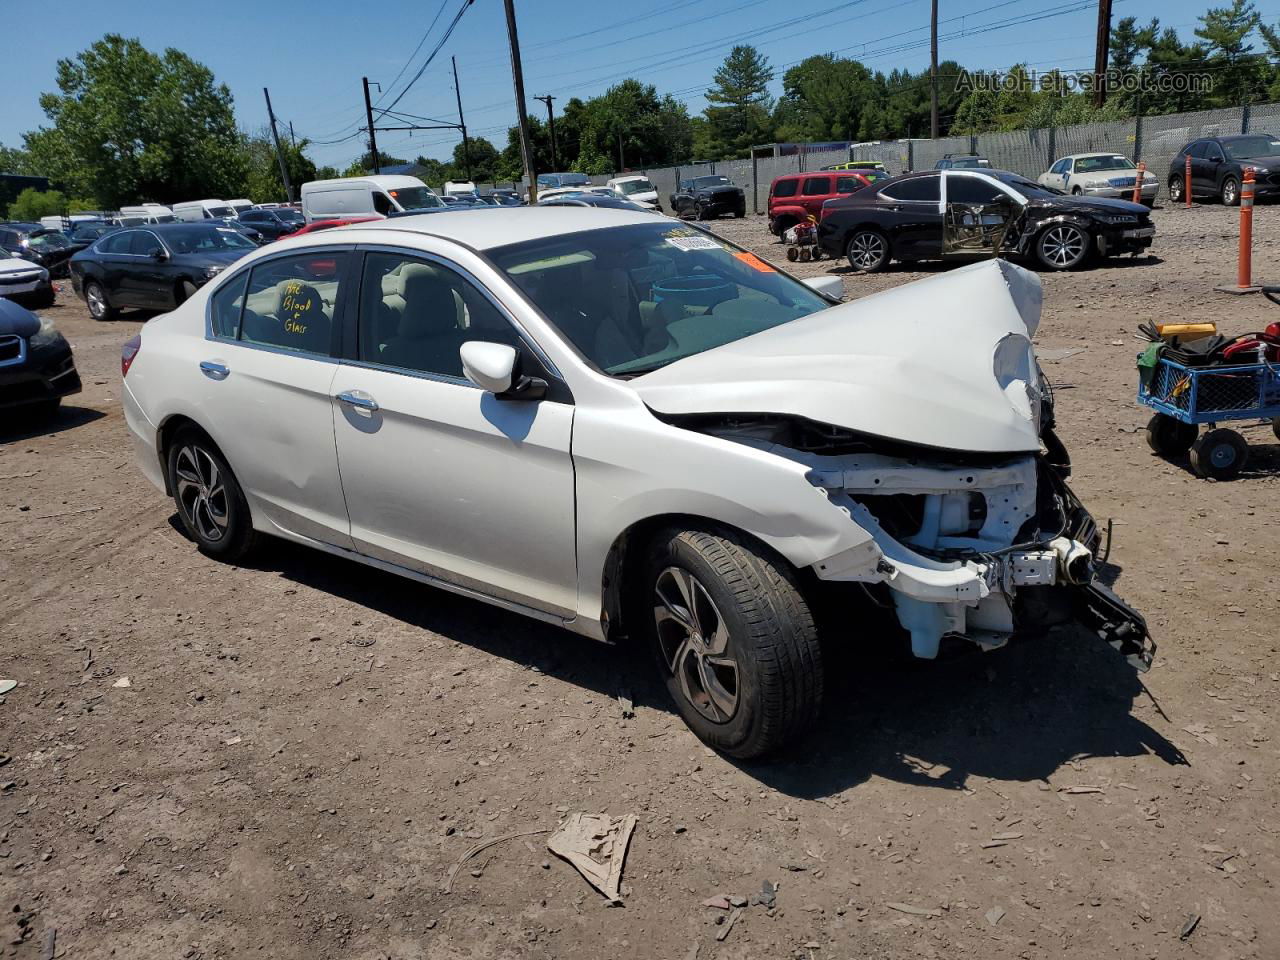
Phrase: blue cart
[1185,397]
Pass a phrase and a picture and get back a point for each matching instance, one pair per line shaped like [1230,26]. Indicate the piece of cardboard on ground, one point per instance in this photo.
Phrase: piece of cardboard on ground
[596,845]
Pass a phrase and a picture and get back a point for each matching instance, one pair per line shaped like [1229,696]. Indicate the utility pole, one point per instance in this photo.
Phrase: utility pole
[621,165]
[551,126]
[466,144]
[517,78]
[933,70]
[284,172]
[373,141]
[1100,57]
[292,139]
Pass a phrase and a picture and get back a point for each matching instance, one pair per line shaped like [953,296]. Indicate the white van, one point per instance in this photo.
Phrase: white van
[145,213]
[365,196]
[241,205]
[459,188]
[637,189]
[194,210]
[67,223]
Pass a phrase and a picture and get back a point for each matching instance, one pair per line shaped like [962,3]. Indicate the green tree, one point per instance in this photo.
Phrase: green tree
[1225,30]
[32,204]
[262,180]
[483,157]
[129,124]
[1271,36]
[739,111]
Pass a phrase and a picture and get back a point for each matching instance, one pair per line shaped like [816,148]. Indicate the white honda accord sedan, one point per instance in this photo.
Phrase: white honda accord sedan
[618,423]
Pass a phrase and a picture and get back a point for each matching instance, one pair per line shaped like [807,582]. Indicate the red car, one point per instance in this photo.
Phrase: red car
[328,224]
[795,196]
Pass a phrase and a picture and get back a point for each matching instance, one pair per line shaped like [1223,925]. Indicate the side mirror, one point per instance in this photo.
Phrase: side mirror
[158,254]
[495,367]
[830,287]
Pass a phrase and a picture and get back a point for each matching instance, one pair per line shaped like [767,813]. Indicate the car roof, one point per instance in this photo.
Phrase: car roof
[1094,153]
[485,228]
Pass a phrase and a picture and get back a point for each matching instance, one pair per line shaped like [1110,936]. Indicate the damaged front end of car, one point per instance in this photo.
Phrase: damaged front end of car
[944,455]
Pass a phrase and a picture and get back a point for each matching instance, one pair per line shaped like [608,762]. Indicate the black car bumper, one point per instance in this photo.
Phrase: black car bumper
[46,374]
[1117,240]
[718,206]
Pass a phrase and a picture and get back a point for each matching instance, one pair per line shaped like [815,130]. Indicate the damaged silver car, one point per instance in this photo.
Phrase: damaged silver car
[633,429]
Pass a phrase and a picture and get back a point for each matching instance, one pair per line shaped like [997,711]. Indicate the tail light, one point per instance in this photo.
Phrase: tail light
[129,352]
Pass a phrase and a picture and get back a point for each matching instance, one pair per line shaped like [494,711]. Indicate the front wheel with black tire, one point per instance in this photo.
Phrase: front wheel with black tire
[211,505]
[867,251]
[184,292]
[1230,191]
[1219,455]
[735,640]
[96,298]
[1062,246]
[1175,189]
[1170,437]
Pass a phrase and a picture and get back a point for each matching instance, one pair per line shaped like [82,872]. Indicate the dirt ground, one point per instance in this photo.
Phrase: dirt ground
[306,747]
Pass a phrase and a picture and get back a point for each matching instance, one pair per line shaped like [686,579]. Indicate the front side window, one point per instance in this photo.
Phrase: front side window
[142,243]
[416,314]
[817,186]
[921,189]
[1212,151]
[848,184]
[972,190]
[382,203]
[785,188]
[635,298]
[290,302]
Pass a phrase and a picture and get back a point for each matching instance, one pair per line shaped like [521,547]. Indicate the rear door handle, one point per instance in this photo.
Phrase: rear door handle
[214,371]
[358,398]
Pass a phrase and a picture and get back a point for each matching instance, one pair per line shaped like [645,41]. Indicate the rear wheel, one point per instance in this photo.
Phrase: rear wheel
[868,251]
[1219,455]
[210,503]
[1170,437]
[1062,246]
[1230,191]
[1275,427]
[96,298]
[1175,189]
[735,640]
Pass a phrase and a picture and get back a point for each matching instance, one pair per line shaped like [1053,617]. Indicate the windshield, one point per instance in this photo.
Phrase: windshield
[636,298]
[220,211]
[700,182]
[415,198]
[628,187]
[164,218]
[201,239]
[48,240]
[1248,147]
[1094,164]
[571,179]
[289,215]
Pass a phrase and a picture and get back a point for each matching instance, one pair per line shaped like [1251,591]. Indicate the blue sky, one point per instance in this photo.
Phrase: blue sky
[312,56]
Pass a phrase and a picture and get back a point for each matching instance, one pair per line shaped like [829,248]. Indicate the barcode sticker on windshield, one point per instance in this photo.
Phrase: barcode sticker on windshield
[693,243]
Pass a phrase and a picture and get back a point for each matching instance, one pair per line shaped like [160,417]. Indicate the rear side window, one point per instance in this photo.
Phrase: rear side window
[917,188]
[785,188]
[817,186]
[117,242]
[225,307]
[290,302]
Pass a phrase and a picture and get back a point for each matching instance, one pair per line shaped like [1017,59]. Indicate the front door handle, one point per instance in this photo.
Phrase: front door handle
[214,371]
[358,398]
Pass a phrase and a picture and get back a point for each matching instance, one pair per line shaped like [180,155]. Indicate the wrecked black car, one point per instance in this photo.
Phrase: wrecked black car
[706,197]
[964,215]
[36,366]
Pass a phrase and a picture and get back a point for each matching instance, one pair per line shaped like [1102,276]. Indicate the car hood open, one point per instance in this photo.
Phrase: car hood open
[943,362]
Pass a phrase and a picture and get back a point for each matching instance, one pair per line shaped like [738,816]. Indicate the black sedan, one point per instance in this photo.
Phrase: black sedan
[971,214]
[49,248]
[154,267]
[85,233]
[274,223]
[36,366]
[1218,165]
[707,197]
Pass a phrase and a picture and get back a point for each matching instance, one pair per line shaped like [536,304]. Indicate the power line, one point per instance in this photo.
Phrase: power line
[435,50]
[426,33]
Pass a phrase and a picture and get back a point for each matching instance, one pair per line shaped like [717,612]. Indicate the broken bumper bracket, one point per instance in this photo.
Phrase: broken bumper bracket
[1116,623]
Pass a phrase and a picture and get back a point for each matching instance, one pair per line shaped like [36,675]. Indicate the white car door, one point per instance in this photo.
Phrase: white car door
[268,369]
[440,476]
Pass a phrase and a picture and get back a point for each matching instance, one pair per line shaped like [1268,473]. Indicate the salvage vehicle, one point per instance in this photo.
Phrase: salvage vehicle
[36,366]
[628,427]
[154,268]
[1100,175]
[1218,164]
[20,279]
[47,247]
[795,197]
[273,224]
[637,189]
[705,197]
[964,215]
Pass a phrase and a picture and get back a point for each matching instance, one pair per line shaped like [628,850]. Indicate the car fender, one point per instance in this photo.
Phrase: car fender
[786,210]
[1027,227]
[632,467]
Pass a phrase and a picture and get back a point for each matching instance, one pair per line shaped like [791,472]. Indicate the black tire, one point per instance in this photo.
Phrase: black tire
[1076,191]
[700,212]
[1170,437]
[228,537]
[867,250]
[793,254]
[96,299]
[1219,455]
[1175,189]
[782,225]
[1063,246]
[183,292]
[1275,427]
[765,628]
[1230,191]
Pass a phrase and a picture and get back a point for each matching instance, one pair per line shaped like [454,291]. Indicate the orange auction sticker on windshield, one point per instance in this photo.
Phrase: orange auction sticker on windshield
[754,262]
